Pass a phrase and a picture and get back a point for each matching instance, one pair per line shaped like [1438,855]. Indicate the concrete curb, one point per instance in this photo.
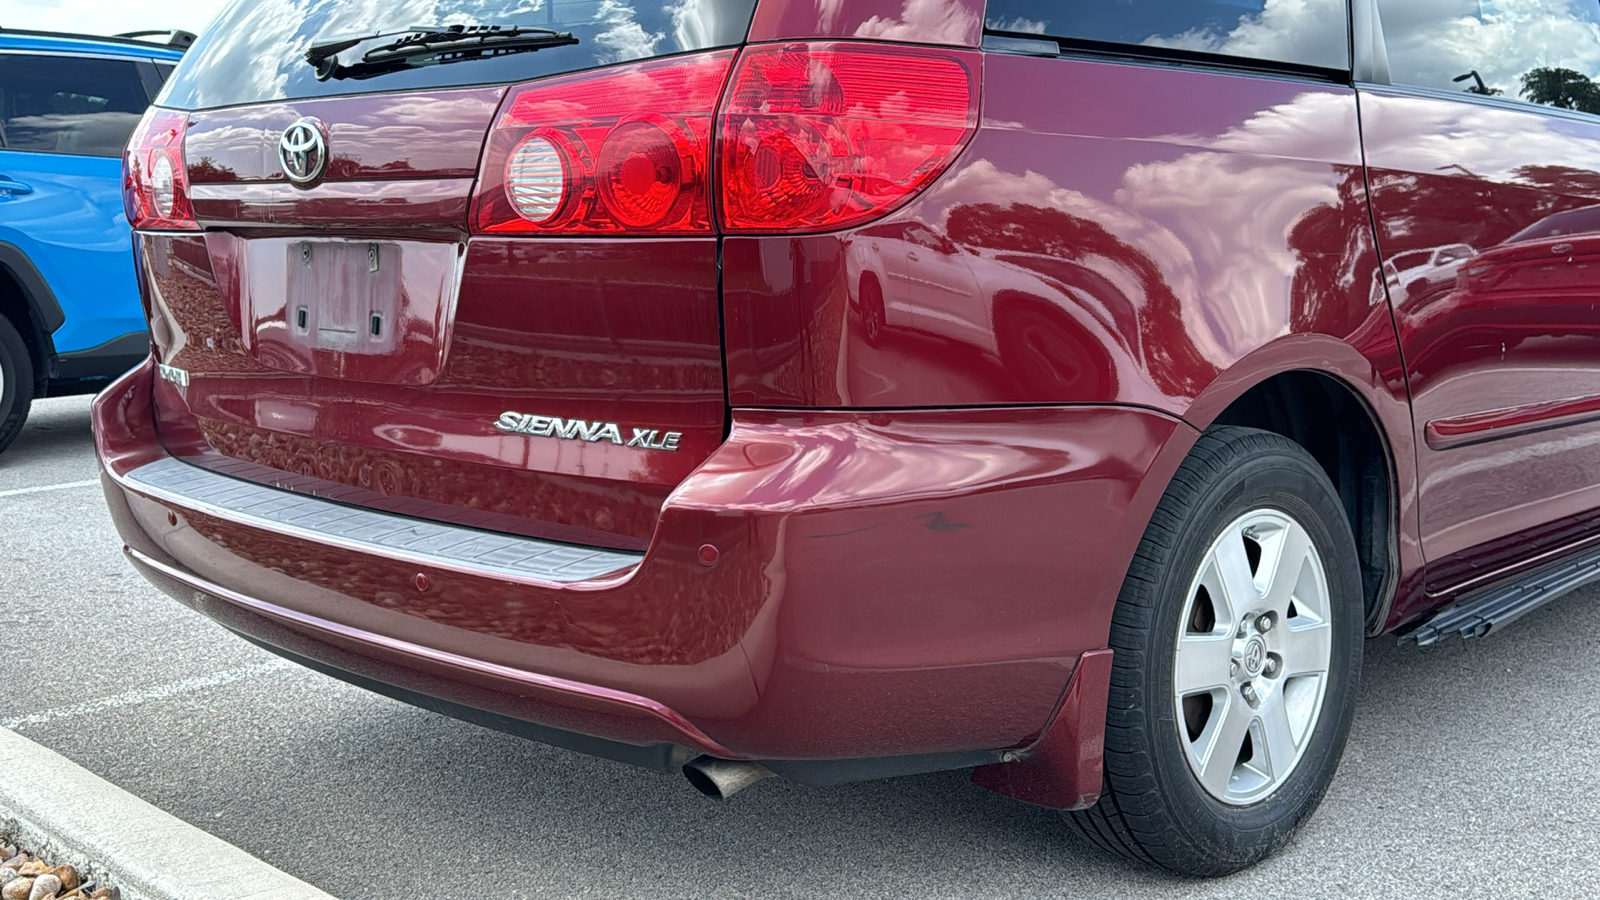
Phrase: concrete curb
[71,815]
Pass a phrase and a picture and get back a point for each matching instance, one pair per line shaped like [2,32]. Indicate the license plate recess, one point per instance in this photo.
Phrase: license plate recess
[373,311]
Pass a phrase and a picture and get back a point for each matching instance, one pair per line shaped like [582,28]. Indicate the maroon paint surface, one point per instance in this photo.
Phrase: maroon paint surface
[372,137]
[796,643]
[1493,267]
[954,22]
[617,331]
[400,206]
[1167,254]
[1081,250]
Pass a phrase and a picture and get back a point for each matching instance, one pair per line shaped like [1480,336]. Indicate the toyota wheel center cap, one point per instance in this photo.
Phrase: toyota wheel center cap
[1255,656]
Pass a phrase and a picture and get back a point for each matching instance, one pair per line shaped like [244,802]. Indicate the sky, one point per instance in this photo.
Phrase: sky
[102,17]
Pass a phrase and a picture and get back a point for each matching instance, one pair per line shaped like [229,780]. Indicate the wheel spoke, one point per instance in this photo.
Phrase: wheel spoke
[1306,650]
[1202,663]
[1222,750]
[1287,559]
[1278,736]
[1238,585]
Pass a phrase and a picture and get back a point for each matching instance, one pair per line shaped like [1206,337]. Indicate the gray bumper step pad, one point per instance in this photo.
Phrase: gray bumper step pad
[382,533]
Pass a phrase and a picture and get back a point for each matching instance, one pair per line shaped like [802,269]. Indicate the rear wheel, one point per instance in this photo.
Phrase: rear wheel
[16,383]
[1238,646]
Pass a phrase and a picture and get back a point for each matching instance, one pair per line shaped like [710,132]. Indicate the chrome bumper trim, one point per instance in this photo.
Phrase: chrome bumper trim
[371,531]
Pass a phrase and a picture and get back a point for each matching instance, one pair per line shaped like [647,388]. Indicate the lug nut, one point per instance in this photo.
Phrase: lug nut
[1233,668]
[1271,667]
[1249,694]
[1265,622]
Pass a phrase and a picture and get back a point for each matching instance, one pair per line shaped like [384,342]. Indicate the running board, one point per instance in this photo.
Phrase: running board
[1478,614]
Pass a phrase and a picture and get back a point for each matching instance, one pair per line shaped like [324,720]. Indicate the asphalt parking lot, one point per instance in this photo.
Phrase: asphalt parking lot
[1473,770]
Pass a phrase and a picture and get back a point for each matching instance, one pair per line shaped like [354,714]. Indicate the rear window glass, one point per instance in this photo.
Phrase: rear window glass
[78,106]
[1304,32]
[1534,51]
[255,50]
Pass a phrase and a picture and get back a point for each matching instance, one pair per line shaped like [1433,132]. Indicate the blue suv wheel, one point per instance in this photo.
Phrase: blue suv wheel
[16,383]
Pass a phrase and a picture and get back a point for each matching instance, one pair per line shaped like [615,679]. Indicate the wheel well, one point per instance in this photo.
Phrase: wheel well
[14,307]
[1334,425]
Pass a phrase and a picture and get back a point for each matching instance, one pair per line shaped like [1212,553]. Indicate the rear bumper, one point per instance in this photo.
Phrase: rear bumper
[914,585]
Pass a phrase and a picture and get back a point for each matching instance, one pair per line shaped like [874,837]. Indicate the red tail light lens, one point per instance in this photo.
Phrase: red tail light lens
[815,137]
[155,184]
[621,150]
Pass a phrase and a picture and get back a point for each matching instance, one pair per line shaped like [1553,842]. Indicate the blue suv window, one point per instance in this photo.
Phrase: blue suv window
[1305,32]
[63,104]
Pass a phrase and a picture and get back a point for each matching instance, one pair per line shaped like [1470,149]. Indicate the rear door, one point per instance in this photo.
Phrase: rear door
[64,120]
[362,336]
[1484,162]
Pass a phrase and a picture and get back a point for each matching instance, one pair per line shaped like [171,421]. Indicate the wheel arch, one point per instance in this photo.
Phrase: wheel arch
[1337,404]
[27,301]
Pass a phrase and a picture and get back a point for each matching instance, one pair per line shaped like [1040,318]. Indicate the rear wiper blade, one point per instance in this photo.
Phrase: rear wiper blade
[420,46]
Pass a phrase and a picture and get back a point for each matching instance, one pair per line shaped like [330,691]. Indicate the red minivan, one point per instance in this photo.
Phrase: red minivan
[839,389]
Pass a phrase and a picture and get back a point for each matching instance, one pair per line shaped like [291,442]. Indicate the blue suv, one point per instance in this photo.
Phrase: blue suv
[70,317]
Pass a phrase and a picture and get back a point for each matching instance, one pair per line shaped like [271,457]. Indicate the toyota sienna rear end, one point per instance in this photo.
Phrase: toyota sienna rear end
[742,387]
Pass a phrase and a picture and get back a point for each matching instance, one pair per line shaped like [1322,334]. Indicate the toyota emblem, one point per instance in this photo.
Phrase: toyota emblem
[303,150]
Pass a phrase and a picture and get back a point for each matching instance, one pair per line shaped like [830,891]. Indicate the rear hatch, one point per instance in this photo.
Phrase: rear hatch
[347,300]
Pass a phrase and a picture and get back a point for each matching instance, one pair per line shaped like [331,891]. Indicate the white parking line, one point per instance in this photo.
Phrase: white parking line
[148,695]
[17,492]
[51,803]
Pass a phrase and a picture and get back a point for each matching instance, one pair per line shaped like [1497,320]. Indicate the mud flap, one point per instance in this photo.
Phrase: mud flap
[1063,768]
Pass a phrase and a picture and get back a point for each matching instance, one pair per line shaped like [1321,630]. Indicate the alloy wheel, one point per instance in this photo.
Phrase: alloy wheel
[1252,654]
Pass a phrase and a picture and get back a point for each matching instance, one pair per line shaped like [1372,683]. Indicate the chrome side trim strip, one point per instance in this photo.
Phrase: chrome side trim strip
[372,531]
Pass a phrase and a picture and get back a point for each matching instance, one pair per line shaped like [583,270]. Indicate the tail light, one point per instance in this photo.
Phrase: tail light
[155,184]
[815,137]
[811,137]
[623,150]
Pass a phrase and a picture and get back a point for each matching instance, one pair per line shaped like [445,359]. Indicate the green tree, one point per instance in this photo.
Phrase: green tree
[1562,88]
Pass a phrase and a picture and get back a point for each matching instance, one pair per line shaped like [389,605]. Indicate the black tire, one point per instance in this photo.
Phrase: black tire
[1153,807]
[16,383]
[873,315]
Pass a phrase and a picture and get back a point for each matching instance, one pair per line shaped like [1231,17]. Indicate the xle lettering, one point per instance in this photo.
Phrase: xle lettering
[647,438]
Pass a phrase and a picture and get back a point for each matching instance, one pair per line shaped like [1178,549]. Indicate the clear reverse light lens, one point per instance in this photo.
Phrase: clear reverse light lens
[163,185]
[536,179]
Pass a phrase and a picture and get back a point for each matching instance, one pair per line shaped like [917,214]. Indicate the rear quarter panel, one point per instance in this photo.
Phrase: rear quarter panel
[1145,235]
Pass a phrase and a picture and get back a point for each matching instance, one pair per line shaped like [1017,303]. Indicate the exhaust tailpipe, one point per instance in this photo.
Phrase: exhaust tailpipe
[720,779]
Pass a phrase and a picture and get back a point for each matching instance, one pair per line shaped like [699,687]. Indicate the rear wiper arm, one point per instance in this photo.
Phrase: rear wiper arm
[422,46]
